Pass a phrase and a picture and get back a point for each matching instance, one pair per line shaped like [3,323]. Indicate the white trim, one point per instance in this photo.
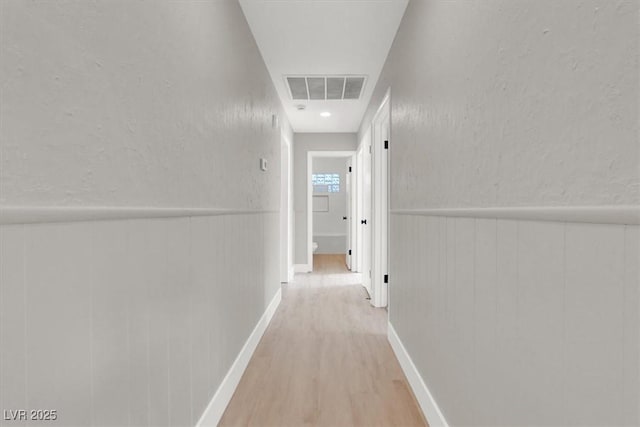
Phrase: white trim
[628,214]
[301,268]
[38,214]
[385,100]
[425,399]
[367,287]
[286,209]
[329,235]
[292,273]
[222,397]
[310,156]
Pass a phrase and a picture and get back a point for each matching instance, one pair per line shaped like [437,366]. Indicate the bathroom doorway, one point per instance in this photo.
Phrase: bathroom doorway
[330,210]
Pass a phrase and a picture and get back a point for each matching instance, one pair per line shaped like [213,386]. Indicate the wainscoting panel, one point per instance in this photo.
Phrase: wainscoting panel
[13,339]
[594,321]
[519,322]
[130,321]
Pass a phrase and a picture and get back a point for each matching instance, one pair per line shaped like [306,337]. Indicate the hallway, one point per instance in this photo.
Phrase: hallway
[176,175]
[324,360]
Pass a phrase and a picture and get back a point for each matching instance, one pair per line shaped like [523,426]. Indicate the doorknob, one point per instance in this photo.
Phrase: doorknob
[364,221]
[344,217]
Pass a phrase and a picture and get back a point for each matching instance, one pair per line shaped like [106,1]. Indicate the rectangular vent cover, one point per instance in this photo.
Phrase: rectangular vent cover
[298,87]
[325,87]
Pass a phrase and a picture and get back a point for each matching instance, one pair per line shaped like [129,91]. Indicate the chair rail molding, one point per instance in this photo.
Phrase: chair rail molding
[45,214]
[623,214]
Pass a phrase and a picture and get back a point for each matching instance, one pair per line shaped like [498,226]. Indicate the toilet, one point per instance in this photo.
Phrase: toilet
[315,246]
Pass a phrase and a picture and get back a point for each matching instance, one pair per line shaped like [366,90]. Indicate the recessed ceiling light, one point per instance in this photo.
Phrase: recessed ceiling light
[325,114]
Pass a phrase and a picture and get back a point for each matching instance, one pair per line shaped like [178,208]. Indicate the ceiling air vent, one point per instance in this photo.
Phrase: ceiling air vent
[298,87]
[323,88]
[316,87]
[353,87]
[335,87]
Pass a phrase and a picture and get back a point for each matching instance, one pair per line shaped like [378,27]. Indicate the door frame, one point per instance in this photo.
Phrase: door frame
[310,156]
[364,245]
[364,144]
[286,211]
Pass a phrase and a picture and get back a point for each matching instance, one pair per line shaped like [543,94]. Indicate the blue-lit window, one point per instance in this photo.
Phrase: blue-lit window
[326,182]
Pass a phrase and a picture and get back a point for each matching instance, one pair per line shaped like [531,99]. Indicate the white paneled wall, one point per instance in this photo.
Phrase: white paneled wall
[516,322]
[130,322]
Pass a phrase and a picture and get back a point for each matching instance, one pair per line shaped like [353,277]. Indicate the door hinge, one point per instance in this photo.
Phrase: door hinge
[369,149]
[386,278]
[349,251]
[349,168]
[386,145]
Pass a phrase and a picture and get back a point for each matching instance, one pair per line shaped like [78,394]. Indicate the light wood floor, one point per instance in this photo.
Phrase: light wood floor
[324,360]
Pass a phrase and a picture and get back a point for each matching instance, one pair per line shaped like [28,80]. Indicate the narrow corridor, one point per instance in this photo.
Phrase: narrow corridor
[324,360]
[167,165]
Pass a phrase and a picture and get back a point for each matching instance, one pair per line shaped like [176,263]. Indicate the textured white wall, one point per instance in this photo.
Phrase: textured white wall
[305,142]
[514,103]
[132,104]
[503,104]
[128,103]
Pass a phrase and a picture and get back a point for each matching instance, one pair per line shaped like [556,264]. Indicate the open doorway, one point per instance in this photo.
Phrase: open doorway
[330,207]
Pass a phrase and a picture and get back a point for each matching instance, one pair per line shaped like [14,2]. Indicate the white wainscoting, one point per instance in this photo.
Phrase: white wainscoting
[130,321]
[519,322]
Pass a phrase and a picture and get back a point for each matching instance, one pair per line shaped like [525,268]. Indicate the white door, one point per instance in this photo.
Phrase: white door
[380,190]
[347,217]
[384,210]
[365,214]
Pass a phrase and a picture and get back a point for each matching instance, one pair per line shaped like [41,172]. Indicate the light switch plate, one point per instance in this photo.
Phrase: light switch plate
[263,164]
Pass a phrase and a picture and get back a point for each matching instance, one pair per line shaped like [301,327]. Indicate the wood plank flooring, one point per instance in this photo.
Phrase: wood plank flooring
[324,360]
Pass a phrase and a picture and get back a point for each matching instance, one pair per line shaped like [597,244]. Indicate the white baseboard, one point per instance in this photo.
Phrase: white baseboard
[367,288]
[426,401]
[222,397]
[302,268]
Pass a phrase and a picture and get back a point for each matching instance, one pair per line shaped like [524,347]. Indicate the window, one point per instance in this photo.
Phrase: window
[326,182]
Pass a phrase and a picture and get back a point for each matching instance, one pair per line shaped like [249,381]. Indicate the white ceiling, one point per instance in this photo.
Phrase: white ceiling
[324,37]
